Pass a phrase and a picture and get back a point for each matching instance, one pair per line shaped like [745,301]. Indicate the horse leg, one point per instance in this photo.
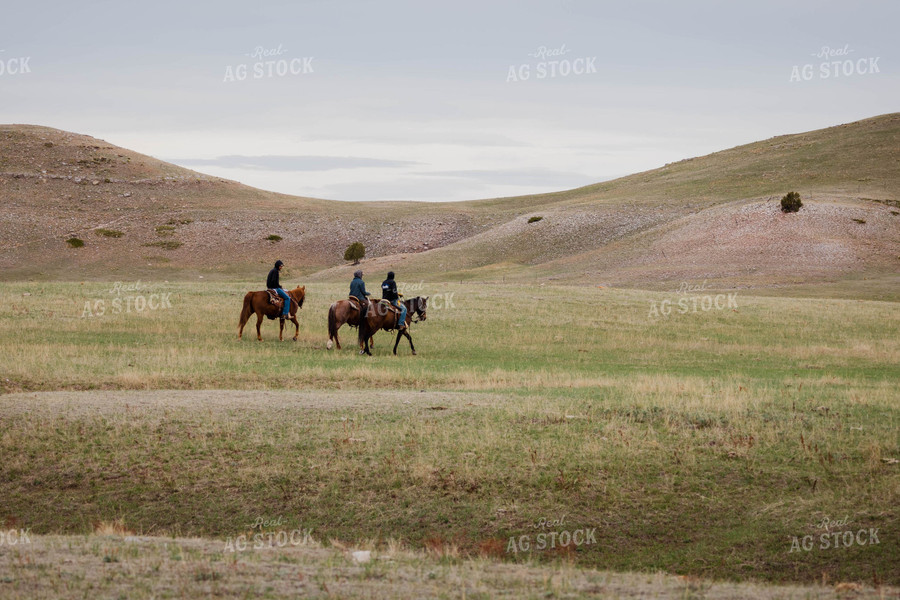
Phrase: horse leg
[297,327]
[409,337]
[337,341]
[280,329]
[399,334]
[259,319]
[365,346]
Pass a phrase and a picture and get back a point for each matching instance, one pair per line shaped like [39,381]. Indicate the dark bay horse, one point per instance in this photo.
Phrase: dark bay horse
[380,316]
[258,302]
[341,313]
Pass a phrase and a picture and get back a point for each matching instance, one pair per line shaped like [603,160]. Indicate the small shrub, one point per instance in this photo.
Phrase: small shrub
[355,252]
[274,238]
[165,245]
[860,221]
[791,202]
[113,233]
[206,574]
[534,219]
[165,230]
[75,242]
[179,221]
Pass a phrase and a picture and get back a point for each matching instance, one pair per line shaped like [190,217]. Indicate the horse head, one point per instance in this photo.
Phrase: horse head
[299,295]
[420,305]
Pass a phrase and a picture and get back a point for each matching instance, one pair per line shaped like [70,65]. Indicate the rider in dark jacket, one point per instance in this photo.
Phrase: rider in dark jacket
[389,293]
[273,283]
[358,291]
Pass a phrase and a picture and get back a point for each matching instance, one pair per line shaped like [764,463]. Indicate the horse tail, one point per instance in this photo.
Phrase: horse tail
[332,321]
[247,310]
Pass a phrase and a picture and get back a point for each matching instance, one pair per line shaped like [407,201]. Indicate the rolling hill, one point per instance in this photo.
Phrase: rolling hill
[712,218]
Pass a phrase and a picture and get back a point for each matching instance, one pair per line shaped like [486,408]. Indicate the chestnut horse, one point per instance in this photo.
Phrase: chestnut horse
[342,313]
[259,303]
[381,317]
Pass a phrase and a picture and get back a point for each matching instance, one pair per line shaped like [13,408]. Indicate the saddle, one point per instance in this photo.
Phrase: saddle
[354,302]
[275,299]
[387,304]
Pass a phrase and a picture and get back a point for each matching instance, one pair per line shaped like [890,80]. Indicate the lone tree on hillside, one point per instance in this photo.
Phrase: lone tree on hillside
[791,202]
[355,252]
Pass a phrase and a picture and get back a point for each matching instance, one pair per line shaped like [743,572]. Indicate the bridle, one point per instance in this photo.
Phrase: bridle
[420,314]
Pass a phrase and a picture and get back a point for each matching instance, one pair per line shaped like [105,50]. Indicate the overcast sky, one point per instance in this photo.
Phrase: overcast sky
[418,100]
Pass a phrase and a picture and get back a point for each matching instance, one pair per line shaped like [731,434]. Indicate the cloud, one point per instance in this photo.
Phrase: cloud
[524,176]
[431,136]
[291,163]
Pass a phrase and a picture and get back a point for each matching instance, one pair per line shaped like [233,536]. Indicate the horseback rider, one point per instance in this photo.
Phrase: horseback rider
[358,291]
[273,283]
[389,293]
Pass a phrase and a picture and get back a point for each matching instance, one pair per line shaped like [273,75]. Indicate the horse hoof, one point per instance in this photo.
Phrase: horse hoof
[414,353]
[328,345]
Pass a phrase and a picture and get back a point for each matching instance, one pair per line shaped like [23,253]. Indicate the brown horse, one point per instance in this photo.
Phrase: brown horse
[381,316]
[342,313]
[259,303]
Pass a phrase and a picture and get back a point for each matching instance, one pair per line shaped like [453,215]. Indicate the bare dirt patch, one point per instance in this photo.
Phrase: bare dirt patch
[107,566]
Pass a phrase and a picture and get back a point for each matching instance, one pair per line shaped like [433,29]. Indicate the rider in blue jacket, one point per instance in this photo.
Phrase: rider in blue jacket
[358,291]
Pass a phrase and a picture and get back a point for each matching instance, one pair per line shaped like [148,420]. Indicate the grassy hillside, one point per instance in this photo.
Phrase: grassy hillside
[139,217]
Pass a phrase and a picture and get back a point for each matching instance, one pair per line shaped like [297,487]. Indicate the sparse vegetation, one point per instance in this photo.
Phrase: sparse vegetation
[274,238]
[111,233]
[860,221]
[534,219]
[791,203]
[179,221]
[165,245]
[355,252]
[165,230]
[75,242]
